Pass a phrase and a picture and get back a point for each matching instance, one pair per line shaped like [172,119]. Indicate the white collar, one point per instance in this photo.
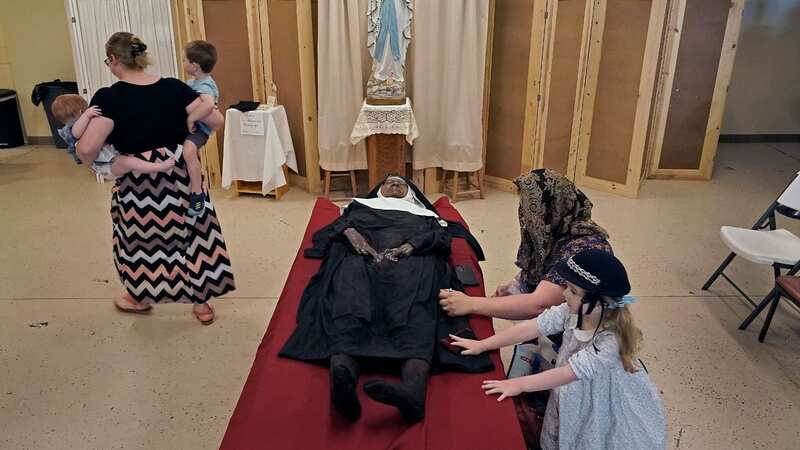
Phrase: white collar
[396,204]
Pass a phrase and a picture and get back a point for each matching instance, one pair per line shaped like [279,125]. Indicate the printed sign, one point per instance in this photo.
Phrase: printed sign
[251,124]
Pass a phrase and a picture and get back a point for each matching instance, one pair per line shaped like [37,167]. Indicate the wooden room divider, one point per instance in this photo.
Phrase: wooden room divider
[597,93]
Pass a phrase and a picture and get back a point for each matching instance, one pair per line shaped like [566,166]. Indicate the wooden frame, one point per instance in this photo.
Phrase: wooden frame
[189,26]
[255,40]
[729,45]
[675,16]
[642,111]
[540,60]
[585,78]
[499,183]
[305,32]
[487,88]
[705,168]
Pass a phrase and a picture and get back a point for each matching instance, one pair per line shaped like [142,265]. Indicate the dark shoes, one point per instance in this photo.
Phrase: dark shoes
[197,202]
[408,396]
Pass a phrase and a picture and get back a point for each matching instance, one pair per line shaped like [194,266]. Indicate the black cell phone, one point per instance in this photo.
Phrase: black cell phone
[466,276]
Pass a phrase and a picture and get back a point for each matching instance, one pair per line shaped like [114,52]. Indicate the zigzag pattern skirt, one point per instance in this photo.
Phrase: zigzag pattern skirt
[161,254]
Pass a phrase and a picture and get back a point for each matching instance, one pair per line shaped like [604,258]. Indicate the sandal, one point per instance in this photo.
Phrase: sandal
[206,318]
[126,304]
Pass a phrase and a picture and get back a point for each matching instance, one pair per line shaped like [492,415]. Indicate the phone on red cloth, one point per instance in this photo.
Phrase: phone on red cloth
[466,276]
[447,341]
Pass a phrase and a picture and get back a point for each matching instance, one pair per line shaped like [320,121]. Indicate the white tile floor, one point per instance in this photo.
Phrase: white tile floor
[94,378]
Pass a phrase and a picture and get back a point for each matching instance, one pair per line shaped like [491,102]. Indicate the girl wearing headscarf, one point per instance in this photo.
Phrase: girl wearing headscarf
[555,220]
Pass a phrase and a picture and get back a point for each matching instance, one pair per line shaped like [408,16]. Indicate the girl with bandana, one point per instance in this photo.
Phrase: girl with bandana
[601,395]
[555,220]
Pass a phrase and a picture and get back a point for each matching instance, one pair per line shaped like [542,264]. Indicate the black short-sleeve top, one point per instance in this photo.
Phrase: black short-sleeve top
[146,117]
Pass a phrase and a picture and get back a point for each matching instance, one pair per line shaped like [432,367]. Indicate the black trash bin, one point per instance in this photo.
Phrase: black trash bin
[46,93]
[10,123]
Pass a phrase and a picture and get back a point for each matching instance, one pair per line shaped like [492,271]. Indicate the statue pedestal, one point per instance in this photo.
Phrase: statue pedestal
[387,129]
[386,154]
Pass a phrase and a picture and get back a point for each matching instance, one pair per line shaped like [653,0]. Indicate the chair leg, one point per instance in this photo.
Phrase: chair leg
[767,322]
[353,184]
[777,270]
[757,310]
[327,183]
[479,177]
[455,186]
[719,271]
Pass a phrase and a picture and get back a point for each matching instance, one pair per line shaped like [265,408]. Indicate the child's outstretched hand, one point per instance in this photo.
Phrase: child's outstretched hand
[506,388]
[92,111]
[470,346]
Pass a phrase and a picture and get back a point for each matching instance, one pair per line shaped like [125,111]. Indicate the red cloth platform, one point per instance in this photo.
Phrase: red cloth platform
[285,404]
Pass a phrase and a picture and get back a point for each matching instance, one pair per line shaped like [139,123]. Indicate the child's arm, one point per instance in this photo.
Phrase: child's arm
[93,139]
[198,109]
[521,332]
[83,121]
[548,379]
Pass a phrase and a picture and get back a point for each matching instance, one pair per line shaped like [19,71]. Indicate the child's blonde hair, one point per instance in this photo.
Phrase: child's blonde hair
[620,321]
[68,106]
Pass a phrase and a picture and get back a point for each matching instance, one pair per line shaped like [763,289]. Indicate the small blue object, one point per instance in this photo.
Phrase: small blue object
[624,301]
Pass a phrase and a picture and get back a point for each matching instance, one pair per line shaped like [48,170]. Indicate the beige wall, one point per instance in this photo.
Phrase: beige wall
[38,46]
[6,80]
[764,97]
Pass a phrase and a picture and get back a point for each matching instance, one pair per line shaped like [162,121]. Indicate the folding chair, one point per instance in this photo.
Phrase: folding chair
[764,243]
[785,287]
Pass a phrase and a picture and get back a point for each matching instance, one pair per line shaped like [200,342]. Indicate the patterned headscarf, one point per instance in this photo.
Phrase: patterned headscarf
[552,211]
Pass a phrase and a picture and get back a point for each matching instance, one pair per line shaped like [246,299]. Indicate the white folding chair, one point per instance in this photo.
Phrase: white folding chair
[764,243]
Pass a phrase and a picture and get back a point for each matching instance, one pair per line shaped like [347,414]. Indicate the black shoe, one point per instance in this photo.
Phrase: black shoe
[411,407]
[344,379]
[197,202]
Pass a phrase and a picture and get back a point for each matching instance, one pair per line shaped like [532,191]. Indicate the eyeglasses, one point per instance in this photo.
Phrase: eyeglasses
[107,61]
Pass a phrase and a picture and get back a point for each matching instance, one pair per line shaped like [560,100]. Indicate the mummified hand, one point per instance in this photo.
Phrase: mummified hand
[360,244]
[393,254]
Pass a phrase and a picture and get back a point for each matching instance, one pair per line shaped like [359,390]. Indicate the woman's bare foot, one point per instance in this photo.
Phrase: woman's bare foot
[126,303]
[204,313]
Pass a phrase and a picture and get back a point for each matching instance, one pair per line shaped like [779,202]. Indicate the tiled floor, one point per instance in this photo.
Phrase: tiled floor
[94,378]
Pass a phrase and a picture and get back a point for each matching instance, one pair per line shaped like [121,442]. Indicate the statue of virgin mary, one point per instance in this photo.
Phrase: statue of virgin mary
[388,35]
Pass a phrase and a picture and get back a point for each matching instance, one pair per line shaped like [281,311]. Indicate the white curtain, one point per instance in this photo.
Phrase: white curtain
[96,20]
[448,72]
[151,20]
[343,65]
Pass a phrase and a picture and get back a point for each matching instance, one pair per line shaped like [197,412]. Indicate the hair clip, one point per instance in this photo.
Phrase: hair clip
[623,302]
[137,48]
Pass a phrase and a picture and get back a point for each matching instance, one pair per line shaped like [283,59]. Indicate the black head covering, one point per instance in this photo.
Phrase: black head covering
[596,271]
[600,274]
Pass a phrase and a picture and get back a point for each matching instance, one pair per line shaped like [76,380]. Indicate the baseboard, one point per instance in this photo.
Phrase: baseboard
[739,138]
[41,140]
[499,183]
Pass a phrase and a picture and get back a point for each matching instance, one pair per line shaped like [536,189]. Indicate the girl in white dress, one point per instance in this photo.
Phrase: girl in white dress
[602,397]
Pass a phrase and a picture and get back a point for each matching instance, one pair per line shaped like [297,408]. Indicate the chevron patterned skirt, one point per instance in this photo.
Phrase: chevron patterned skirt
[161,254]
